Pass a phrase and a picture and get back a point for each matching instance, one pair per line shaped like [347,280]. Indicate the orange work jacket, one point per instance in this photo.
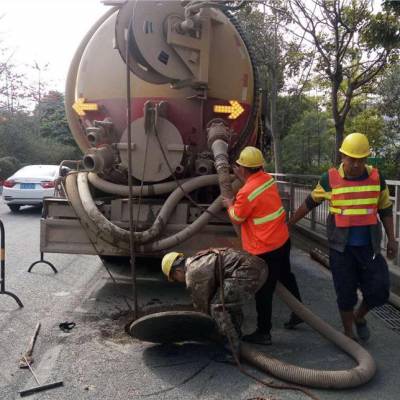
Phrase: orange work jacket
[354,203]
[258,209]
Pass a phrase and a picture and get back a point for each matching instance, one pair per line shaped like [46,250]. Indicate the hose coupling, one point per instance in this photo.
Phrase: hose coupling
[99,159]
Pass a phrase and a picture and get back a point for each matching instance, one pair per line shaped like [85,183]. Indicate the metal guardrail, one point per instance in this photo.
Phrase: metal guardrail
[298,187]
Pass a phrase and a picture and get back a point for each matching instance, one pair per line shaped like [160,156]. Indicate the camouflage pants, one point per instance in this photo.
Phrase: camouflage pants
[238,289]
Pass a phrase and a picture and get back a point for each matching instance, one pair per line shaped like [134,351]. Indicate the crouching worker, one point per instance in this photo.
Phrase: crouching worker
[242,276]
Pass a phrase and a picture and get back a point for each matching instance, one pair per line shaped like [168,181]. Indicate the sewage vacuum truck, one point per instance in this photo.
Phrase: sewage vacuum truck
[159,95]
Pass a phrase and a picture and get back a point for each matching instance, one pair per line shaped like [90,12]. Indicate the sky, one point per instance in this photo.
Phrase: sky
[46,32]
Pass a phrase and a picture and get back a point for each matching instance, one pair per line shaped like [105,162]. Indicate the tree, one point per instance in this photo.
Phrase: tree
[389,90]
[308,145]
[8,165]
[291,108]
[53,121]
[371,123]
[353,47]
[276,57]
[21,142]
[12,89]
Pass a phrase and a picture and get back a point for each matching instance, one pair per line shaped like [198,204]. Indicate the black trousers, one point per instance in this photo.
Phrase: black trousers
[278,262]
[358,267]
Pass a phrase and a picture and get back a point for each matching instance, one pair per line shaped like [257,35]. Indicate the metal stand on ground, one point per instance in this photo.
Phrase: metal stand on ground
[44,262]
[3,268]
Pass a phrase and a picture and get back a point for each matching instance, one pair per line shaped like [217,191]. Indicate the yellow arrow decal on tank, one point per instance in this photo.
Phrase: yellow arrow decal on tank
[80,107]
[235,109]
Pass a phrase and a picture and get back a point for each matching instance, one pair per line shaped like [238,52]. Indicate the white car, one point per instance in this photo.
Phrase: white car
[29,185]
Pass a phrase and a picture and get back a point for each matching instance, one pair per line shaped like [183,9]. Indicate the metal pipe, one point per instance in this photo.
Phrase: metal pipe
[98,159]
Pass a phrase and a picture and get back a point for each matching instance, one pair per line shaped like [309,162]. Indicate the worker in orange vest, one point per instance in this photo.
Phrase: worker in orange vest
[258,209]
[357,193]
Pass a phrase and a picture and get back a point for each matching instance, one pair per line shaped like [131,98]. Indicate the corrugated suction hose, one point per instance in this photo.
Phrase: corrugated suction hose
[356,376]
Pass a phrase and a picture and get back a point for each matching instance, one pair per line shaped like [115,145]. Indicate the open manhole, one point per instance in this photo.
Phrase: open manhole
[172,326]
[390,315]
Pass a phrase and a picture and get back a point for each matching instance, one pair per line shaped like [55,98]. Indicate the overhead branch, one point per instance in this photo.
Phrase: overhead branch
[369,73]
[311,29]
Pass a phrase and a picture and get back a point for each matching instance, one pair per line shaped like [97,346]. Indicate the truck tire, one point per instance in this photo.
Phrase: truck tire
[14,207]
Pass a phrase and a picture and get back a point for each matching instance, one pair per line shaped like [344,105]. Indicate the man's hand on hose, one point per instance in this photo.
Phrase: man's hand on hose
[227,202]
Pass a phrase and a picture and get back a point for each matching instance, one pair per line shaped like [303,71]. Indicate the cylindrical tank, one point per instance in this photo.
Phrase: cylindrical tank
[188,66]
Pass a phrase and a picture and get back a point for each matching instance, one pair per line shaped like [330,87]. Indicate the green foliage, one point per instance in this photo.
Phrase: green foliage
[354,45]
[41,137]
[371,123]
[277,55]
[20,140]
[53,121]
[266,49]
[389,90]
[383,29]
[14,135]
[309,144]
[290,110]
[383,32]
[392,6]
[8,165]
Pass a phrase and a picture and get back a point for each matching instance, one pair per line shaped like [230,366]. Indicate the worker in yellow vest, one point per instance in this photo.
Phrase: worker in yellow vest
[258,209]
[357,194]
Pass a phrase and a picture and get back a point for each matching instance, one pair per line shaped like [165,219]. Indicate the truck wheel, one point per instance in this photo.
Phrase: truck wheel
[14,207]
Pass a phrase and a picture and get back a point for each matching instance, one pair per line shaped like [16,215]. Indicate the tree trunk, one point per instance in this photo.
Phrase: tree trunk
[338,142]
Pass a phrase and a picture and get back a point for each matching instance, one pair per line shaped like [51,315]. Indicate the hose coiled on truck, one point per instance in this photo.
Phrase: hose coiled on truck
[96,223]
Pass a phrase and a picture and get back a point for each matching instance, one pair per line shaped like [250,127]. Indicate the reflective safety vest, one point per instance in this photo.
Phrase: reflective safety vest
[354,203]
[258,209]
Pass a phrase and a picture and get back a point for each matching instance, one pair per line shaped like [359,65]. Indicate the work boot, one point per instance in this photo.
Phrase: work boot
[294,320]
[362,330]
[258,337]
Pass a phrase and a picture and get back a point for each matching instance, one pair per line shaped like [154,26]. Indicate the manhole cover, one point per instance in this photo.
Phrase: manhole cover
[172,326]
[390,315]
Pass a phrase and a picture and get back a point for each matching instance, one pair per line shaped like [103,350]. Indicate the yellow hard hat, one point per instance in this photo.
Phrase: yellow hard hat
[250,157]
[167,262]
[355,145]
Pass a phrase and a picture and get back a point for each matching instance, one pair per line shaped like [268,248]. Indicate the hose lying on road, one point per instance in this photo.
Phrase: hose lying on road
[356,376]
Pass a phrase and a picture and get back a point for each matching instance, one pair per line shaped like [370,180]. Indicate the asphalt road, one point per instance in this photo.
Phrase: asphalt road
[98,360]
